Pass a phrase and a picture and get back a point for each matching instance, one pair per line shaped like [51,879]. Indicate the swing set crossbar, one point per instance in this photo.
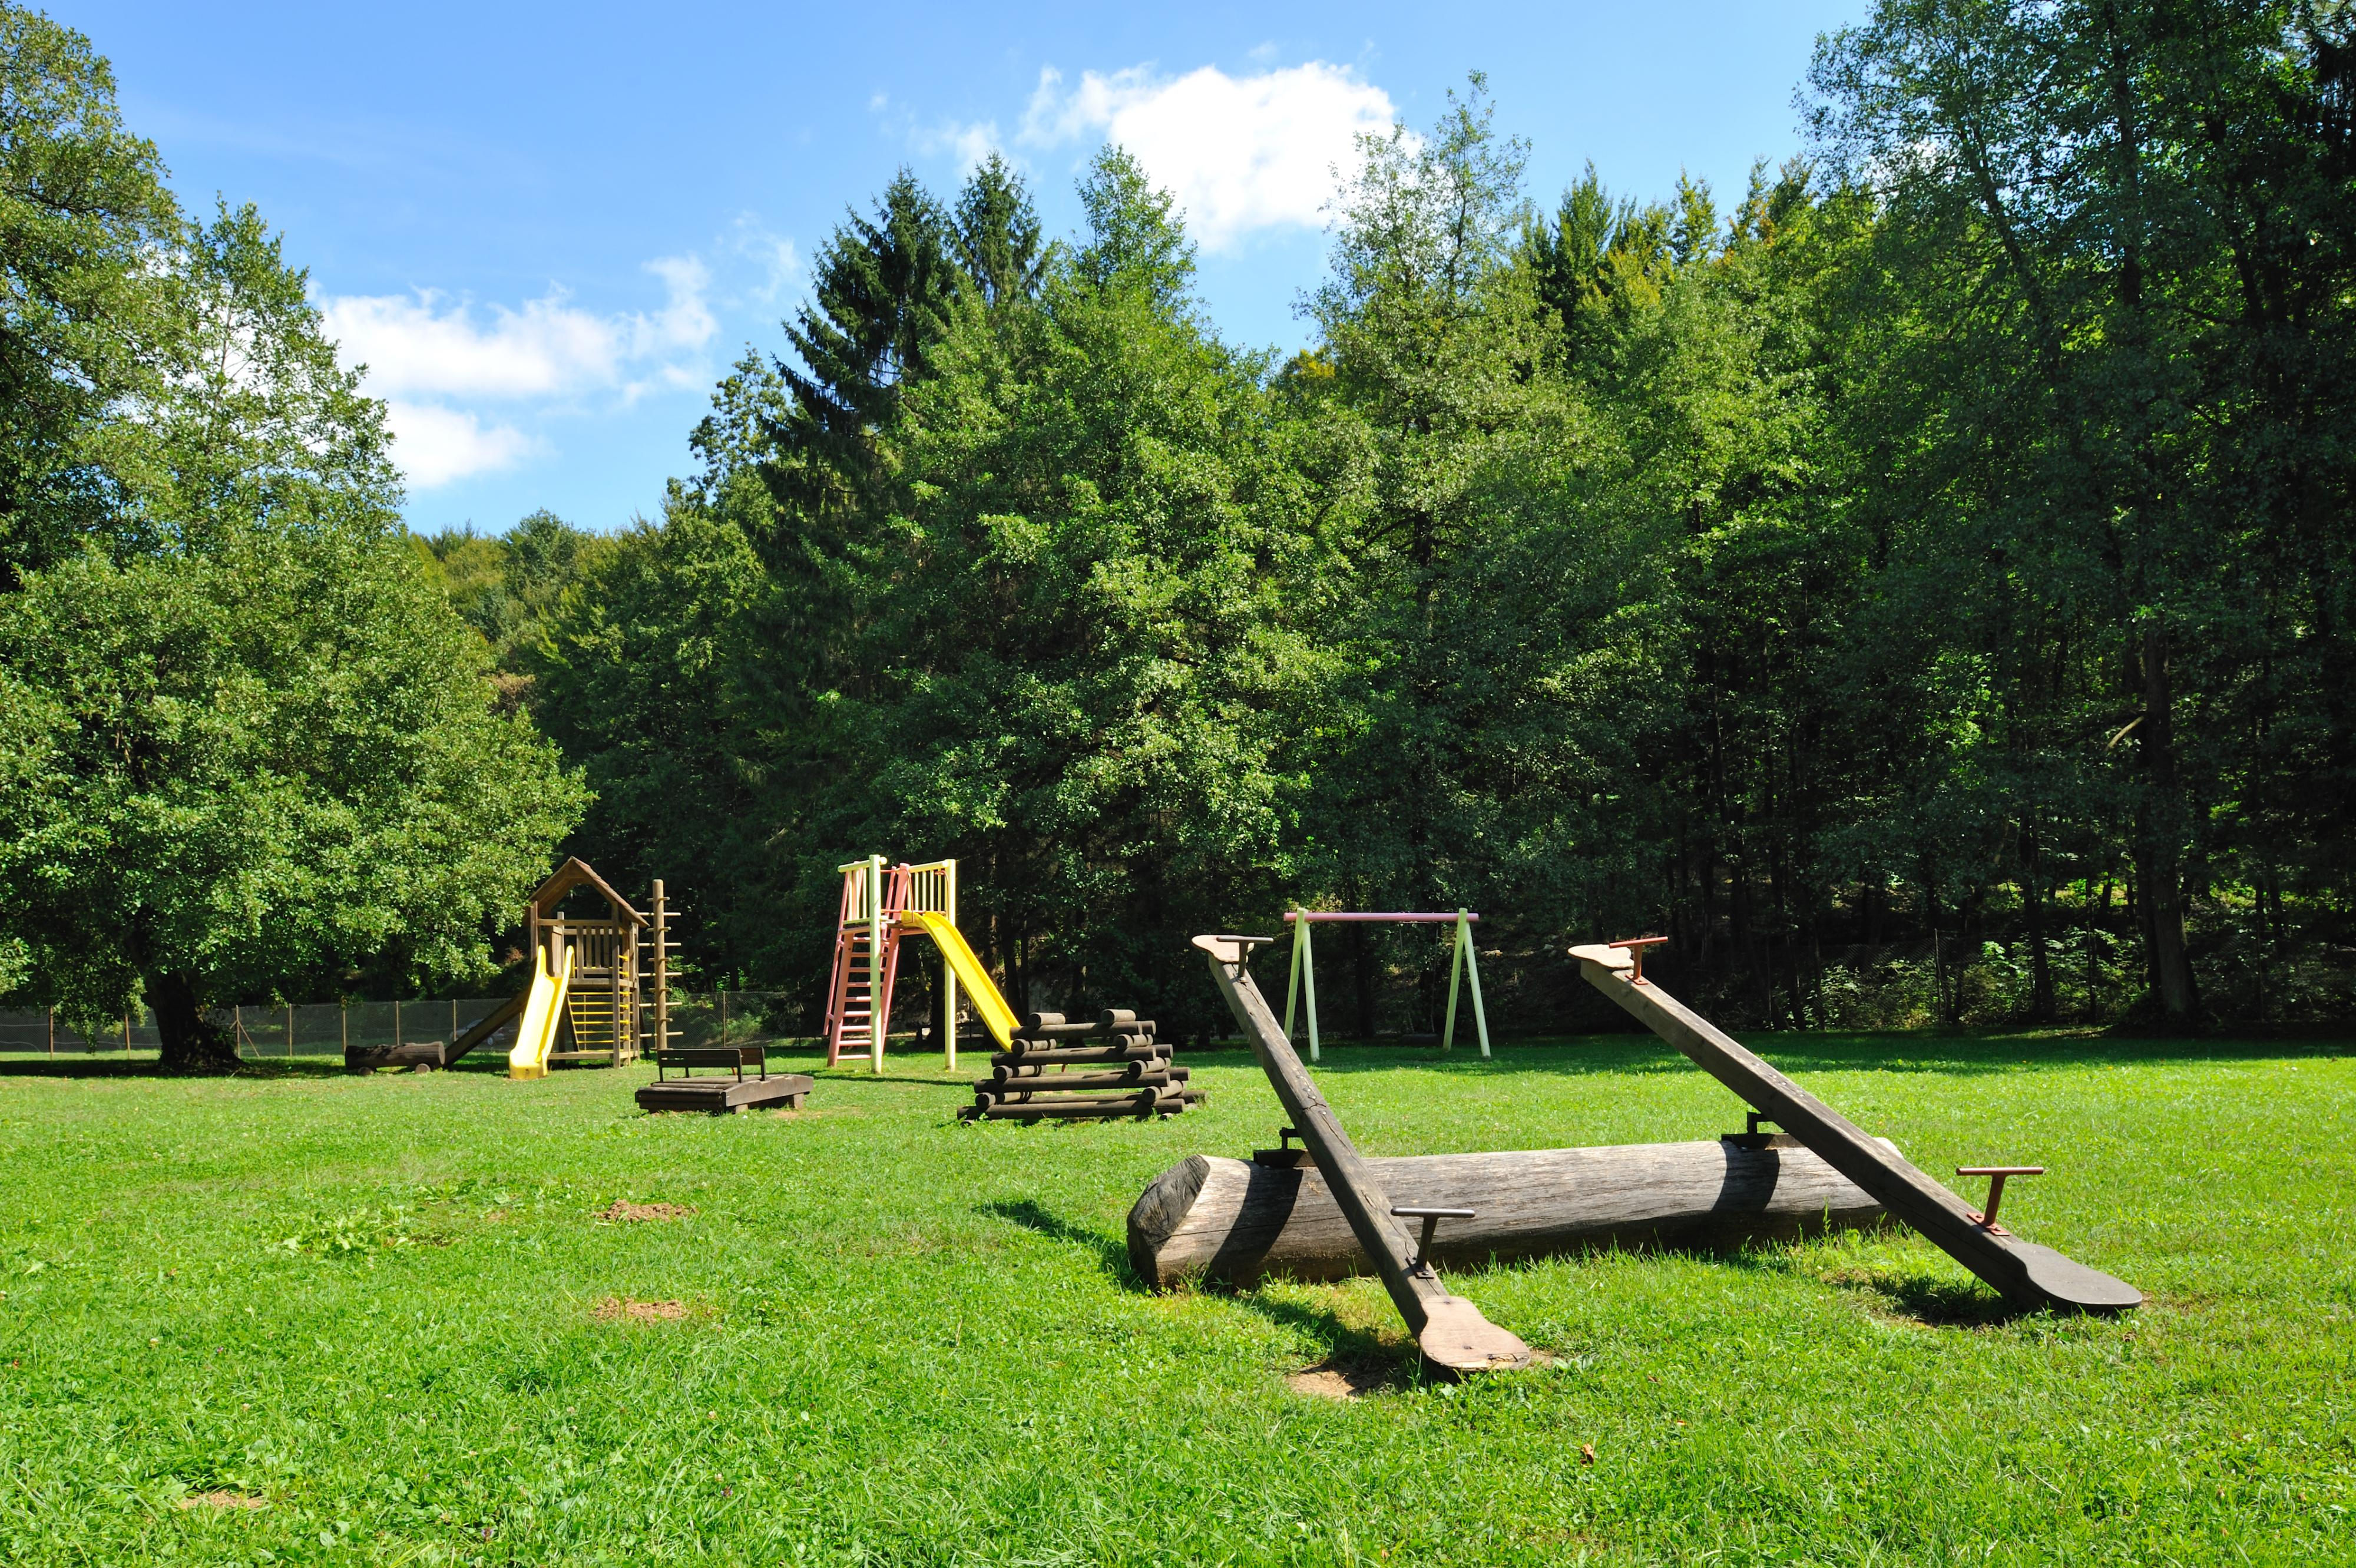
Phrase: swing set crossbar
[1462,965]
[1337,917]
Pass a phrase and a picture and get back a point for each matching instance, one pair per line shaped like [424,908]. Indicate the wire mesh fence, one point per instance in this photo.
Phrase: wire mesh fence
[293,1031]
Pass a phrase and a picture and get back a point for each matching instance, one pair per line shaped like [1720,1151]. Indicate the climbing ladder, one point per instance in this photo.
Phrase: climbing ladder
[868,929]
[866,960]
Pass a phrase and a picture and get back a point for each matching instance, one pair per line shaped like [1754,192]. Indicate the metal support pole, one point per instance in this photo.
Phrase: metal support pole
[290,1031]
[1462,963]
[1473,973]
[1308,987]
[662,969]
[1292,983]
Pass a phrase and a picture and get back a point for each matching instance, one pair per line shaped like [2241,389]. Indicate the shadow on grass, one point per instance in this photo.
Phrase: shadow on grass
[1932,1302]
[1112,1256]
[1363,1360]
[43,1067]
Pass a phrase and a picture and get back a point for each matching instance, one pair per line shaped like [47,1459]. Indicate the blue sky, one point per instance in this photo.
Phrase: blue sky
[548,229]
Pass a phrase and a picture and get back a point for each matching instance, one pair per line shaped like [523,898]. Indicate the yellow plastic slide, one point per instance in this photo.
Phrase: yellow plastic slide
[996,1015]
[541,1009]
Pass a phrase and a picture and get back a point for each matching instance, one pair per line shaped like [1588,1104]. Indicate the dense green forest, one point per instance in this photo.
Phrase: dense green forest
[1919,584]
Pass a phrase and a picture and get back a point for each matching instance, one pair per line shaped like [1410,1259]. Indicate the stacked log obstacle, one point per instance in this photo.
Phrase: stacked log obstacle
[2028,1277]
[1245,1221]
[1054,1069]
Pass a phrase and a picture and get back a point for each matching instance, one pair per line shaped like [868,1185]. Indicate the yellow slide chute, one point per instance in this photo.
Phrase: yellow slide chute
[996,1015]
[541,1009]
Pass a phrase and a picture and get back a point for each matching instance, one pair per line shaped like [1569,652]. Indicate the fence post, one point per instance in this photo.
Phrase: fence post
[344,1017]
[290,1031]
[396,1023]
[53,1033]
[126,1031]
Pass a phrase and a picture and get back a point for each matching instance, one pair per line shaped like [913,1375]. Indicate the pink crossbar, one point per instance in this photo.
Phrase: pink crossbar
[1335,917]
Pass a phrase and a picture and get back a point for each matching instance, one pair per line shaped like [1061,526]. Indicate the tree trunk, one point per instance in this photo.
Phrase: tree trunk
[2171,965]
[2033,893]
[192,1043]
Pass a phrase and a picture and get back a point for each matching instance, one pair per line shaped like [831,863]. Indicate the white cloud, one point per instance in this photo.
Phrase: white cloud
[774,255]
[435,445]
[428,354]
[426,344]
[1239,153]
[972,144]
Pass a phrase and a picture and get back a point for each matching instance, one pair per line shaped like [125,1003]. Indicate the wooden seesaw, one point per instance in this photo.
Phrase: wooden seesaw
[1238,1222]
[2027,1275]
[1449,1329]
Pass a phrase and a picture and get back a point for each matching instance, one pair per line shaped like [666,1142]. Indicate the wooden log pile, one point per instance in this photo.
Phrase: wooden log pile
[1056,1069]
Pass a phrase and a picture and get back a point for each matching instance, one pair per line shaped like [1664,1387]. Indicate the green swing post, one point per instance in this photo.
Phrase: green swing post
[1309,985]
[1292,984]
[1465,963]
[1303,981]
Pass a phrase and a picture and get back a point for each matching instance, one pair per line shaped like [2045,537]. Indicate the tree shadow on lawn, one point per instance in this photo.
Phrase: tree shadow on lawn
[1367,1361]
[43,1067]
[1958,1054]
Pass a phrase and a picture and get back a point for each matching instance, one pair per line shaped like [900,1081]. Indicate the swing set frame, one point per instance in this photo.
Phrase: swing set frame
[1461,965]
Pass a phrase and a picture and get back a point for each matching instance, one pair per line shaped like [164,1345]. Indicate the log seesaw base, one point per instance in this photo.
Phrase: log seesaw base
[1054,1069]
[1241,1221]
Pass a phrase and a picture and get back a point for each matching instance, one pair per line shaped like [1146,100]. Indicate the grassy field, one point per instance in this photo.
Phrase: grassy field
[298,1318]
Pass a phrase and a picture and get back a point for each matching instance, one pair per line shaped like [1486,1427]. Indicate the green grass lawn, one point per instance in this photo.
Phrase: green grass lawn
[383,1307]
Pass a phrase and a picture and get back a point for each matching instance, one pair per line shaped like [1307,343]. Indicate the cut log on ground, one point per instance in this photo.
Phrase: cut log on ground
[1239,1221]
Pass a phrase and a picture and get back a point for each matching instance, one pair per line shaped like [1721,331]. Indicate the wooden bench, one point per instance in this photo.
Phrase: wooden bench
[721,1096]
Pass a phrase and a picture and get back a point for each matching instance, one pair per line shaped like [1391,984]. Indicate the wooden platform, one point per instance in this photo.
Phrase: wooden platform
[719,1096]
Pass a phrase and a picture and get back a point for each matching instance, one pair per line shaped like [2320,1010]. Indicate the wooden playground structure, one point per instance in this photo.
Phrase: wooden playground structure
[1045,1068]
[602,1021]
[591,979]
[881,904]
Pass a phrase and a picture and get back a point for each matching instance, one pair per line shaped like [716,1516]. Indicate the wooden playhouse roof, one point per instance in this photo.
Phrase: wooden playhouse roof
[572,873]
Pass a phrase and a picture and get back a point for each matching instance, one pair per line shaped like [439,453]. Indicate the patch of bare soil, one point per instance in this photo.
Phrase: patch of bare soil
[621,1210]
[222,1500]
[1350,1378]
[620,1308]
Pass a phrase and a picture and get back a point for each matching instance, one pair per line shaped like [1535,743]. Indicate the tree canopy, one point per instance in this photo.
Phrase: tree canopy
[1914,586]
[251,749]
[1918,585]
